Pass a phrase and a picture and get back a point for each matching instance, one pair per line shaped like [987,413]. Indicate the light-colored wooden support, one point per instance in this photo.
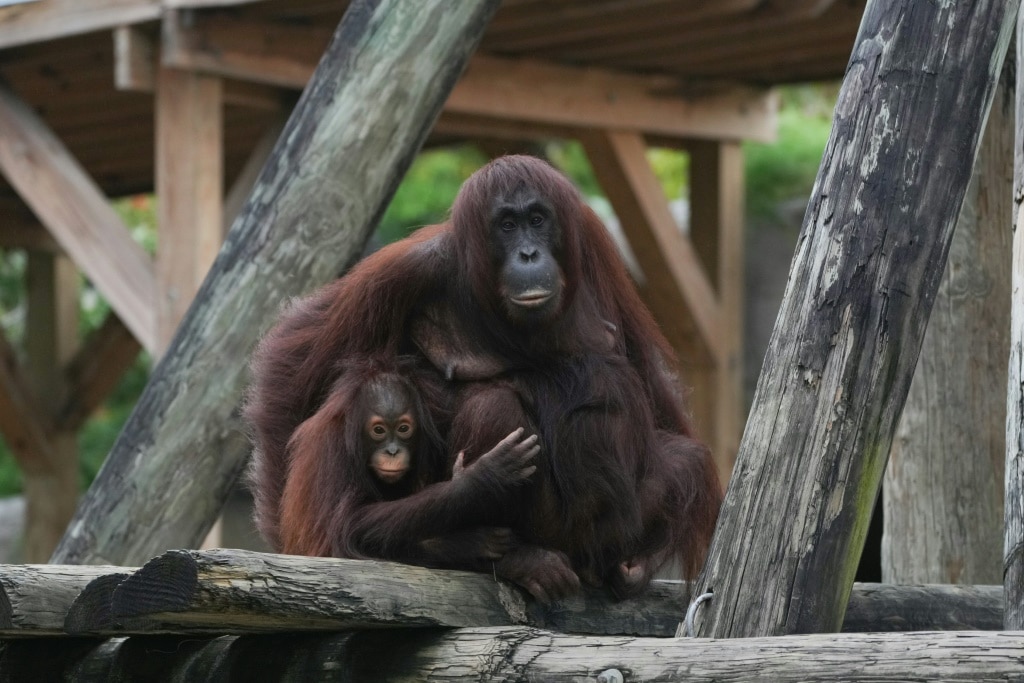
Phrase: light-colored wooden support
[501,88]
[716,231]
[51,339]
[23,420]
[1013,525]
[77,214]
[943,487]
[189,182]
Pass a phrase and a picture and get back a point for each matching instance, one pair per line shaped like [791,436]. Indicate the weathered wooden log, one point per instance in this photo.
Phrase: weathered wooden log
[521,654]
[34,598]
[224,591]
[356,128]
[1013,514]
[871,252]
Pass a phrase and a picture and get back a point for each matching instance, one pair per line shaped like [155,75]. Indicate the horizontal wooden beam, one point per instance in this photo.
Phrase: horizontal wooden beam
[35,22]
[507,89]
[74,210]
[135,66]
[239,591]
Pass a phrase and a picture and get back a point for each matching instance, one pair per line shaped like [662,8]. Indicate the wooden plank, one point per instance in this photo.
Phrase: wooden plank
[51,337]
[943,502]
[501,88]
[189,190]
[74,210]
[39,21]
[551,26]
[839,364]
[525,654]
[667,257]
[300,230]
[96,370]
[716,232]
[1013,526]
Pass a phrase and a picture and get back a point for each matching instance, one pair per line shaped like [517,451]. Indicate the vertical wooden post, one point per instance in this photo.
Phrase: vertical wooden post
[1013,543]
[872,248]
[943,489]
[716,230]
[189,188]
[51,338]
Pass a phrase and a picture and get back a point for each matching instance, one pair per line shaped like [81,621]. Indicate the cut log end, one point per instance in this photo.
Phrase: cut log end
[164,584]
[90,612]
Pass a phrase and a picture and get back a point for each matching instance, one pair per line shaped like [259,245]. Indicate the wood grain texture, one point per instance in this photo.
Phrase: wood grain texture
[943,492]
[906,130]
[343,152]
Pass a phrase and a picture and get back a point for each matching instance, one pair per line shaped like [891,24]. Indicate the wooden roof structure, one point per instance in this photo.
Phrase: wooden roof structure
[184,99]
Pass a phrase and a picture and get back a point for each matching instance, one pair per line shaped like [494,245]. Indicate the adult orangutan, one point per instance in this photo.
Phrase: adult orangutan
[524,305]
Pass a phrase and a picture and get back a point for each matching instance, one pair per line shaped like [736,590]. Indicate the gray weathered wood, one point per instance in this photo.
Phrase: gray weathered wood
[907,127]
[1013,525]
[351,137]
[34,599]
[235,591]
[524,654]
[943,492]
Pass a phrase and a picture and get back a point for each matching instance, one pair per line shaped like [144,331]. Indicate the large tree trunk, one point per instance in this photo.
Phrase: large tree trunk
[364,115]
[872,249]
[943,495]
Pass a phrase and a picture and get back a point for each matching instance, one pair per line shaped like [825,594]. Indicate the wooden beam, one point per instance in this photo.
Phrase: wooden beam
[24,421]
[716,231]
[35,598]
[501,88]
[96,370]
[20,229]
[665,255]
[77,214]
[135,66]
[189,182]
[51,337]
[240,591]
[242,186]
[39,21]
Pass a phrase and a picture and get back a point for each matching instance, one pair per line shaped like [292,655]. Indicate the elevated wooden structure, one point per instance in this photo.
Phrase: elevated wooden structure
[106,98]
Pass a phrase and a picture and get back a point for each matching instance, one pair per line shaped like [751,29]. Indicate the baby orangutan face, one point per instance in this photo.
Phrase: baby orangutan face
[390,431]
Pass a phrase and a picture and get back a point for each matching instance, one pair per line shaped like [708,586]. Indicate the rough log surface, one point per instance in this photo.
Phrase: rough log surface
[34,598]
[222,591]
[871,252]
[943,495]
[1013,526]
[523,654]
[354,132]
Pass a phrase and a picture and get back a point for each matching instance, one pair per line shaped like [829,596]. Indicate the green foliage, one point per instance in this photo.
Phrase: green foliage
[786,168]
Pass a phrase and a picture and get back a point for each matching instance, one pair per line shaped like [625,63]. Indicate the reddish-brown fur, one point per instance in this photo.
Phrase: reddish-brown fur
[622,486]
